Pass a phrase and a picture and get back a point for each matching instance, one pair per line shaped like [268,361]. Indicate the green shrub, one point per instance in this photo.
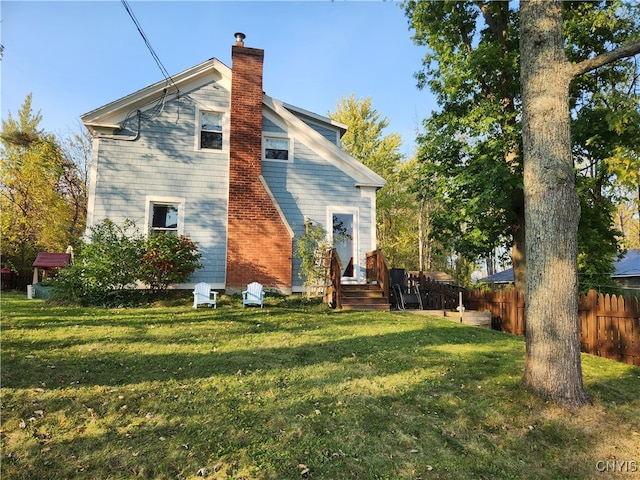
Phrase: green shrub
[312,249]
[106,267]
[117,259]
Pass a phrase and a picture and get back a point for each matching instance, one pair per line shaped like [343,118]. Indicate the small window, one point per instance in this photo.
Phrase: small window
[276,148]
[164,219]
[211,130]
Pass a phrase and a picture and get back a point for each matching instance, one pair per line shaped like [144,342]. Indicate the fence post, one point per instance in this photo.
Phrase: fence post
[517,326]
[592,322]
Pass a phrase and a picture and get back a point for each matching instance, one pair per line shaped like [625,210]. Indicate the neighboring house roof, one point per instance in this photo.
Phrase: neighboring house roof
[108,118]
[52,260]
[506,276]
[627,266]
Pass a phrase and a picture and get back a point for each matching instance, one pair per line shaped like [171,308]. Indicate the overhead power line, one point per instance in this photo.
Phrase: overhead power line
[164,71]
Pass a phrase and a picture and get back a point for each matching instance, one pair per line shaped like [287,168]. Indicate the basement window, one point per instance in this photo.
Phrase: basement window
[211,130]
[276,148]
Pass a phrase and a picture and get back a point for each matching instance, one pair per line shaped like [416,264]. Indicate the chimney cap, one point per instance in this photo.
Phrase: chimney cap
[239,38]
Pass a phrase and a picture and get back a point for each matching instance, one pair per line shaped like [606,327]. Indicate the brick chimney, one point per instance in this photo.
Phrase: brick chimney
[259,246]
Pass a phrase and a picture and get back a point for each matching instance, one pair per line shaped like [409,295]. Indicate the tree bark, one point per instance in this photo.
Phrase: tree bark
[552,209]
[518,256]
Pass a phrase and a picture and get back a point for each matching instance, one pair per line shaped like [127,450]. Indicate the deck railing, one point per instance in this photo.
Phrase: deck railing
[333,294]
[378,270]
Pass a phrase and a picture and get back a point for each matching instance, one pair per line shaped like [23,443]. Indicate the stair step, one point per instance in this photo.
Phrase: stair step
[366,307]
[363,297]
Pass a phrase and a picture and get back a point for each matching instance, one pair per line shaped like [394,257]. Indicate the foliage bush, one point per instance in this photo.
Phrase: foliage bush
[111,266]
[312,247]
[168,259]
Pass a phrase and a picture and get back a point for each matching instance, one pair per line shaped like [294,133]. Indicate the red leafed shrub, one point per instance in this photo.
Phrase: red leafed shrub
[168,259]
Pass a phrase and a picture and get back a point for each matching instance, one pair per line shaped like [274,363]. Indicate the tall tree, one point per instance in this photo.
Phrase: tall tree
[34,192]
[471,147]
[366,141]
[74,182]
[552,208]
[470,150]
[605,127]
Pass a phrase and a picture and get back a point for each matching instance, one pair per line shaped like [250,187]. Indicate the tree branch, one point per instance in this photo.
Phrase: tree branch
[628,50]
[496,25]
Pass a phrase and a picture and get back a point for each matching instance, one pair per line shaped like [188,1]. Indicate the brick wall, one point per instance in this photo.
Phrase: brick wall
[259,247]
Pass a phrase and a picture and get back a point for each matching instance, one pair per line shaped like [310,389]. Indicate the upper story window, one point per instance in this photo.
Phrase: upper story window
[276,148]
[164,218]
[211,130]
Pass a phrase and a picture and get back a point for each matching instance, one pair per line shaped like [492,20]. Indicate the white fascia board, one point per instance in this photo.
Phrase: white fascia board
[314,116]
[109,115]
[363,176]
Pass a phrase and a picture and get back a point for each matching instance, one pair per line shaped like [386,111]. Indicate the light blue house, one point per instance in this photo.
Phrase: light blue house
[209,155]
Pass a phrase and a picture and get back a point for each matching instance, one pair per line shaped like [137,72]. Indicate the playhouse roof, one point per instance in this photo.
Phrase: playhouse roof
[52,260]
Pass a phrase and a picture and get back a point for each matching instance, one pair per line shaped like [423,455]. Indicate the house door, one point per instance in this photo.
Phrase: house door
[344,241]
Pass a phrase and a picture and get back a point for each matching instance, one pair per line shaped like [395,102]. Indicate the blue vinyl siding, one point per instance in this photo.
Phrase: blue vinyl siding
[269,126]
[164,161]
[307,186]
[328,133]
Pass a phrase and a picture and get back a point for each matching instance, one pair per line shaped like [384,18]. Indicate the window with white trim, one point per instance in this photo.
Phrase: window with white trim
[276,148]
[211,130]
[164,218]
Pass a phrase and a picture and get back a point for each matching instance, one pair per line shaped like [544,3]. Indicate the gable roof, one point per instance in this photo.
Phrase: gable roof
[505,276]
[52,260]
[107,119]
[109,116]
[363,175]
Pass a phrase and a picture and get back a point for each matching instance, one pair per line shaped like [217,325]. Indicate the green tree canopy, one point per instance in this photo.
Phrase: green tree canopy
[43,192]
[471,147]
[397,209]
[35,213]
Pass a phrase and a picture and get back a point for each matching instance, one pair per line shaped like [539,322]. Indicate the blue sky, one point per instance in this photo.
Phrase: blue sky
[75,56]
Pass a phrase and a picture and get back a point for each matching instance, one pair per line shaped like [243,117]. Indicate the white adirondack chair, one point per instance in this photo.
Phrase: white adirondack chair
[253,295]
[202,295]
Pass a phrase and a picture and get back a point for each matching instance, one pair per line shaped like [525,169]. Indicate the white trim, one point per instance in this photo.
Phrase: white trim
[275,203]
[319,119]
[93,179]
[164,200]
[370,193]
[277,136]
[225,128]
[355,211]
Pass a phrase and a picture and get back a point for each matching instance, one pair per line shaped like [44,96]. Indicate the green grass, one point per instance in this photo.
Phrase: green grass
[293,391]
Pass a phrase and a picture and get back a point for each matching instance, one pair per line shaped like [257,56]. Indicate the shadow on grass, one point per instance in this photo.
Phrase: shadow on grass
[60,363]
[352,396]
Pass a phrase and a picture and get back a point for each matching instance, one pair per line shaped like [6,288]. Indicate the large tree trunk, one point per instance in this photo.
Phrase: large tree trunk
[552,209]
[518,252]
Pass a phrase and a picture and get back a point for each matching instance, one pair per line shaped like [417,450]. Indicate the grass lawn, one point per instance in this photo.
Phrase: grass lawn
[293,391]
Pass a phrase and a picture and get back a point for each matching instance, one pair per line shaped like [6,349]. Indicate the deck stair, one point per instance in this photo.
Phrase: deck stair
[363,297]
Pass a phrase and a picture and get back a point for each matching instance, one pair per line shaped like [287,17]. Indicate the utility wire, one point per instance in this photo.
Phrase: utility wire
[164,71]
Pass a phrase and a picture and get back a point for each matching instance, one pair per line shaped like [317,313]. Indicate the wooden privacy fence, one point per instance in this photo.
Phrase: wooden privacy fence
[435,295]
[609,324]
